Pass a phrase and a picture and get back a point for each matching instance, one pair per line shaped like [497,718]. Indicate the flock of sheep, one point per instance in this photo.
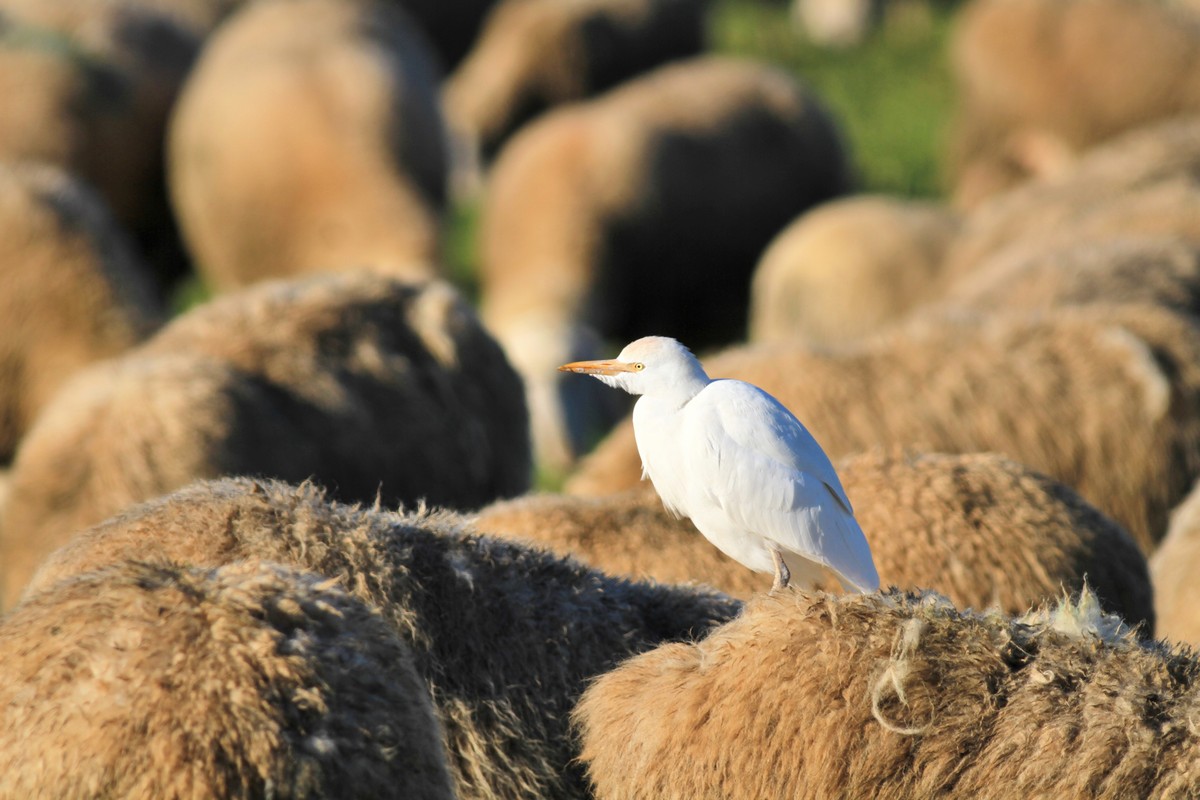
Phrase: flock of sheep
[207,588]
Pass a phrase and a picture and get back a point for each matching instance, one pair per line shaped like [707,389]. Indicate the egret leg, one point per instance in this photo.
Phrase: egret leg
[782,574]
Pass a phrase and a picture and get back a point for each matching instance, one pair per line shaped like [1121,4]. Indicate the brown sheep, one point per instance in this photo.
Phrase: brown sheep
[249,680]
[848,267]
[1141,184]
[897,696]
[642,211]
[1078,270]
[1068,395]
[371,386]
[506,637]
[1174,569]
[534,54]
[71,290]
[88,86]
[309,138]
[1116,174]
[1042,79]
[983,530]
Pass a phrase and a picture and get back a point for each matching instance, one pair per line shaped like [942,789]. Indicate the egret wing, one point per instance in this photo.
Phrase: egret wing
[755,460]
[756,421]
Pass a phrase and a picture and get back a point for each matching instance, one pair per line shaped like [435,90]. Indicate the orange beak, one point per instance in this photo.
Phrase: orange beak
[608,367]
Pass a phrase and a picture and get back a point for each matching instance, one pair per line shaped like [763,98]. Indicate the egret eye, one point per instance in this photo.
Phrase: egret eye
[639,366]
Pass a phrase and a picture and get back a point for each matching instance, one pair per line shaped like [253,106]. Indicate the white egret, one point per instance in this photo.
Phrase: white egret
[731,458]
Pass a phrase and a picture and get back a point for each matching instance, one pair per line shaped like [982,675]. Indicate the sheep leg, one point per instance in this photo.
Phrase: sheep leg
[782,574]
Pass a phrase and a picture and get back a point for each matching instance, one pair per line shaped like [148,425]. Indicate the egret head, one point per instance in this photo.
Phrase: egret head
[651,365]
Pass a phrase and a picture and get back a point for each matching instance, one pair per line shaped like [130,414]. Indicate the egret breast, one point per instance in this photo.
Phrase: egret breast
[656,430]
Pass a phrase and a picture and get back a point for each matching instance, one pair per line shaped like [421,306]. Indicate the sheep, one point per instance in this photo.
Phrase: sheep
[308,138]
[980,528]
[249,680]
[506,637]
[1142,183]
[1040,80]
[375,387]
[897,695]
[72,290]
[535,54]
[1077,270]
[88,86]
[1134,188]
[1069,395]
[848,267]
[642,211]
[1173,573]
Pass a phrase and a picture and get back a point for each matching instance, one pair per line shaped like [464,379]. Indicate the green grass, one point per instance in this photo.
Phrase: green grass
[892,94]
[190,291]
[460,251]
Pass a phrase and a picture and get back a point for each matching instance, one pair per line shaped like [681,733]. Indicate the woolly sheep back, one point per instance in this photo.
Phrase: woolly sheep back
[979,528]
[506,637]
[535,54]
[899,696]
[373,386]
[71,290]
[848,267]
[1139,183]
[244,681]
[1068,395]
[629,158]
[88,86]
[308,138]
[1067,75]
[1173,568]
[1083,269]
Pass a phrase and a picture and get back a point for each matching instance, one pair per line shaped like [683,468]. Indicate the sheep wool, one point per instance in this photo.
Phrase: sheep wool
[535,54]
[88,86]
[1083,269]
[1068,395]
[72,291]
[1142,182]
[309,139]
[979,528]
[370,385]
[245,681]
[1036,77]
[505,637]
[897,695]
[1173,568]
[848,267]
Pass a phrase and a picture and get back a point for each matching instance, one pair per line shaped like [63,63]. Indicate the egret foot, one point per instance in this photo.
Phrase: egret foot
[782,574]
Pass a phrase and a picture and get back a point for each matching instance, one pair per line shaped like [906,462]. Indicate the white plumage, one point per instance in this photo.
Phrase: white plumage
[731,458]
